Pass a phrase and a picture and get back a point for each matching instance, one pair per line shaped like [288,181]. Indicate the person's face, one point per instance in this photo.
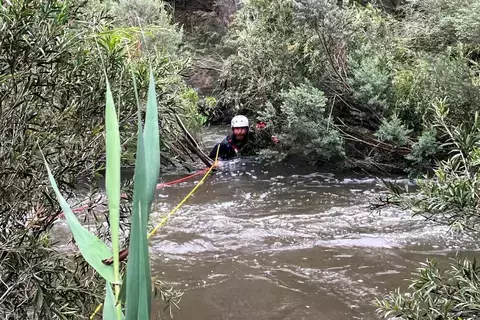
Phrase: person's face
[239,133]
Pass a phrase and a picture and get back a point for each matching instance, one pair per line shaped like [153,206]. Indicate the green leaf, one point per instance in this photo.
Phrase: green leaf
[109,304]
[113,178]
[138,266]
[151,136]
[122,296]
[93,249]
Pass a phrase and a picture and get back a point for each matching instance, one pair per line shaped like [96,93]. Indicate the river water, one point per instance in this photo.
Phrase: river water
[288,242]
[285,242]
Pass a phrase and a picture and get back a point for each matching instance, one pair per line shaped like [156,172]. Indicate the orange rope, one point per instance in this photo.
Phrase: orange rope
[161,185]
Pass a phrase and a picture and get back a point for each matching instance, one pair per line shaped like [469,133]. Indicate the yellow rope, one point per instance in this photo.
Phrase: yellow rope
[96,311]
[171,213]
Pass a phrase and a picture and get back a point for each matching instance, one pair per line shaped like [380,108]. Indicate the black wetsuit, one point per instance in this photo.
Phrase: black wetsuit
[230,147]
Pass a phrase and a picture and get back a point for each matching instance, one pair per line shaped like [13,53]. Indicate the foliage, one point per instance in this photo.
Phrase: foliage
[431,78]
[394,131]
[41,65]
[370,82]
[452,199]
[424,150]
[53,55]
[304,122]
[259,43]
[435,25]
[371,59]
[434,293]
[43,284]
[151,14]
[94,251]
[372,64]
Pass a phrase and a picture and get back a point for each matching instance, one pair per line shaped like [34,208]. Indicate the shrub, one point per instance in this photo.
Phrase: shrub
[449,293]
[371,57]
[431,78]
[304,123]
[434,25]
[48,90]
[260,34]
[423,150]
[153,18]
[450,199]
[394,131]
[371,83]
[52,55]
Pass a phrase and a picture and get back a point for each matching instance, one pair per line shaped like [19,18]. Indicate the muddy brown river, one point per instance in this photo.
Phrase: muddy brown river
[280,242]
[287,242]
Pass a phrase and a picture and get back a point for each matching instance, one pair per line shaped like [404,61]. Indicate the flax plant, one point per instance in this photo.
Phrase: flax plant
[137,299]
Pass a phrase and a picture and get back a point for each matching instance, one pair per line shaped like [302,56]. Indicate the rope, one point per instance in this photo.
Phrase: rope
[171,213]
[174,210]
[97,310]
[159,186]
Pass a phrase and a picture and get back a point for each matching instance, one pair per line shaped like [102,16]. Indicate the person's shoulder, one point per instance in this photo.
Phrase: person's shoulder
[227,139]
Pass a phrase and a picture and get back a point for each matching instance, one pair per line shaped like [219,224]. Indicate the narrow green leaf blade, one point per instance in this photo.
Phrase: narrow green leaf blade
[93,249]
[144,278]
[151,136]
[113,177]
[109,312]
[123,290]
[138,266]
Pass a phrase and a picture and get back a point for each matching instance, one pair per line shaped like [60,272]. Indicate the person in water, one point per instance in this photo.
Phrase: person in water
[239,142]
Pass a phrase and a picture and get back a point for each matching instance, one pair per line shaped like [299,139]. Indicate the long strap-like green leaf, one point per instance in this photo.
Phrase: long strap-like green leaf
[112,178]
[109,312]
[93,249]
[151,137]
[138,266]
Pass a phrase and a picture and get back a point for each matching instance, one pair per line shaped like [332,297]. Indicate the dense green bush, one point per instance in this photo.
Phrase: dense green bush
[451,198]
[303,121]
[53,57]
[423,151]
[371,58]
[371,64]
[435,77]
[48,90]
[435,25]
[394,131]
[259,35]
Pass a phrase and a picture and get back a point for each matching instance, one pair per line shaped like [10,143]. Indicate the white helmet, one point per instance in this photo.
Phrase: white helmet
[239,122]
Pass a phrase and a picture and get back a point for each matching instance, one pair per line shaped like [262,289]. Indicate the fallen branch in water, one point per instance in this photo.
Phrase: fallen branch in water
[192,145]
